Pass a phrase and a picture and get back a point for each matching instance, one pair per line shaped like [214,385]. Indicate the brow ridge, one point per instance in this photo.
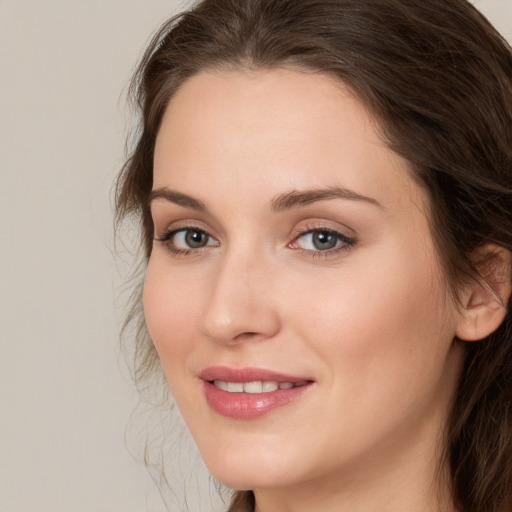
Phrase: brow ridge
[283,202]
[298,198]
[177,198]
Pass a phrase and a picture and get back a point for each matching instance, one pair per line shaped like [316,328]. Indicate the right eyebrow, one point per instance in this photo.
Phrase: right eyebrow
[176,198]
[298,198]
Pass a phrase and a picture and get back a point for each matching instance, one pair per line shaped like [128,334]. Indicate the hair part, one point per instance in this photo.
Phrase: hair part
[438,78]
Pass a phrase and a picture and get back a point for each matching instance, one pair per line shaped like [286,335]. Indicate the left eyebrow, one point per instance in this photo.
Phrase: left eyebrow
[297,198]
[177,198]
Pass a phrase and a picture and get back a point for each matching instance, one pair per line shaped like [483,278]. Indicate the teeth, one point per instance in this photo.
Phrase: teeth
[235,387]
[270,386]
[257,386]
[221,384]
[253,387]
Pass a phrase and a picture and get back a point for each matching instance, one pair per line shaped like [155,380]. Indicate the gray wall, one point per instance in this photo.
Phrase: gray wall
[65,397]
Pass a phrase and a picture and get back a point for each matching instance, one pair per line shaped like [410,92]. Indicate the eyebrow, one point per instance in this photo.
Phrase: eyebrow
[283,202]
[297,198]
[176,198]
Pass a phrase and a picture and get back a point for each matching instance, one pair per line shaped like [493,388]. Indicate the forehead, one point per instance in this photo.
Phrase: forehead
[274,102]
[295,129]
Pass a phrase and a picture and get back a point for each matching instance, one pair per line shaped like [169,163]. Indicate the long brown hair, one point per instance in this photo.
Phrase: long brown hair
[438,77]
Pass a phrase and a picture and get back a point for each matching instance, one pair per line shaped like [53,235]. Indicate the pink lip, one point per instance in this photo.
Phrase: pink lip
[246,375]
[248,405]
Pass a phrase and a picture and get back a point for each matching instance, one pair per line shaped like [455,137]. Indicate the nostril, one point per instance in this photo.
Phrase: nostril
[248,335]
[235,313]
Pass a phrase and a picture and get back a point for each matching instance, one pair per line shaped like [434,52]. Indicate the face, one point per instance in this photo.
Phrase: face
[293,294]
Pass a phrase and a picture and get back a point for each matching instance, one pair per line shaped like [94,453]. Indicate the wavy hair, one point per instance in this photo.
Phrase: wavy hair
[438,77]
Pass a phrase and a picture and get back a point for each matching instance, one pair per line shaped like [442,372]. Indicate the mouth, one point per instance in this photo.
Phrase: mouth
[250,393]
[257,386]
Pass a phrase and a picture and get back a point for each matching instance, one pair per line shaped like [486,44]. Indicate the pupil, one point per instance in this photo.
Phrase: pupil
[195,239]
[324,240]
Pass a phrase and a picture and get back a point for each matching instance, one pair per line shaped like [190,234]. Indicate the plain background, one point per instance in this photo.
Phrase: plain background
[65,396]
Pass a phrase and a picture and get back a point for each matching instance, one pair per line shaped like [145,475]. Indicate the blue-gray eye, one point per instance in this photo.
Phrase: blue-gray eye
[321,240]
[191,239]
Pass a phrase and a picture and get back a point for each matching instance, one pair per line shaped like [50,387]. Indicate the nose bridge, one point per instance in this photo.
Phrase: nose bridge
[240,299]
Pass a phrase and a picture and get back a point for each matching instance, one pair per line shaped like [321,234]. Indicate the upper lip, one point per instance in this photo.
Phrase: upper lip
[227,374]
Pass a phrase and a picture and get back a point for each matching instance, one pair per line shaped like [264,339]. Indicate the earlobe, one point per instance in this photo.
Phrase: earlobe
[485,300]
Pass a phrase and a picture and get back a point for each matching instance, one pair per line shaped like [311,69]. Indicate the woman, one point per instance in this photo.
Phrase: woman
[324,189]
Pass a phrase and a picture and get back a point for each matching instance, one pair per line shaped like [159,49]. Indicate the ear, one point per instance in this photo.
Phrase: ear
[484,300]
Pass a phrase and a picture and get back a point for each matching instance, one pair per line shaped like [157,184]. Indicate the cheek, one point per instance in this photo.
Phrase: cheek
[169,310]
[385,318]
[383,340]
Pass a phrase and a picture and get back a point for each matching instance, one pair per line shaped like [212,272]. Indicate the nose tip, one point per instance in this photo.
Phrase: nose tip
[240,306]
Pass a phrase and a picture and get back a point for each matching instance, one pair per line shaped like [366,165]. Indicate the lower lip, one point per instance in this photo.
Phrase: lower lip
[248,405]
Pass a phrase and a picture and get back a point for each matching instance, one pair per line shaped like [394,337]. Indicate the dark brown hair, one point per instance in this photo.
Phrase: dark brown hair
[438,77]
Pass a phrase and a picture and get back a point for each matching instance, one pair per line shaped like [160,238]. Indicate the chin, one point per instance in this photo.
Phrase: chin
[245,469]
[249,479]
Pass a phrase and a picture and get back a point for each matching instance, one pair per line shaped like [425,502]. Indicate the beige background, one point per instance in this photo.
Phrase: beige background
[65,396]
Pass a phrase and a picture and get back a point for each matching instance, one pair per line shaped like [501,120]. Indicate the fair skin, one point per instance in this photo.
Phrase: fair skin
[341,288]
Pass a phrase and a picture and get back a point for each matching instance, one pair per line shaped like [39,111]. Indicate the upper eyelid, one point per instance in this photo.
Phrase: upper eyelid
[324,229]
[164,218]
[299,229]
[179,225]
[169,233]
[337,232]
[322,225]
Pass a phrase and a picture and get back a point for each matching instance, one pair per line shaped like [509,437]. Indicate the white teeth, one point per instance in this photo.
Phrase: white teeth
[269,386]
[257,386]
[253,387]
[235,387]
[221,384]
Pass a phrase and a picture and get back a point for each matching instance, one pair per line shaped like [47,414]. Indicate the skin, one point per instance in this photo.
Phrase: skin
[371,322]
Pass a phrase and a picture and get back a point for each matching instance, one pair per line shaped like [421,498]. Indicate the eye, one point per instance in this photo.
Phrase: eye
[185,240]
[322,240]
[190,239]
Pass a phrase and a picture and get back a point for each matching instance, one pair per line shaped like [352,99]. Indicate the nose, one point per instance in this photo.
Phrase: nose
[241,304]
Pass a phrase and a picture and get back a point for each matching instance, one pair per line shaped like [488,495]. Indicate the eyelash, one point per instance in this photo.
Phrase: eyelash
[343,242]
[168,235]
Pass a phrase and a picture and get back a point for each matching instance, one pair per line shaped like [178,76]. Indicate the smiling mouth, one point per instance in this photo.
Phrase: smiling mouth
[258,386]
[250,393]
